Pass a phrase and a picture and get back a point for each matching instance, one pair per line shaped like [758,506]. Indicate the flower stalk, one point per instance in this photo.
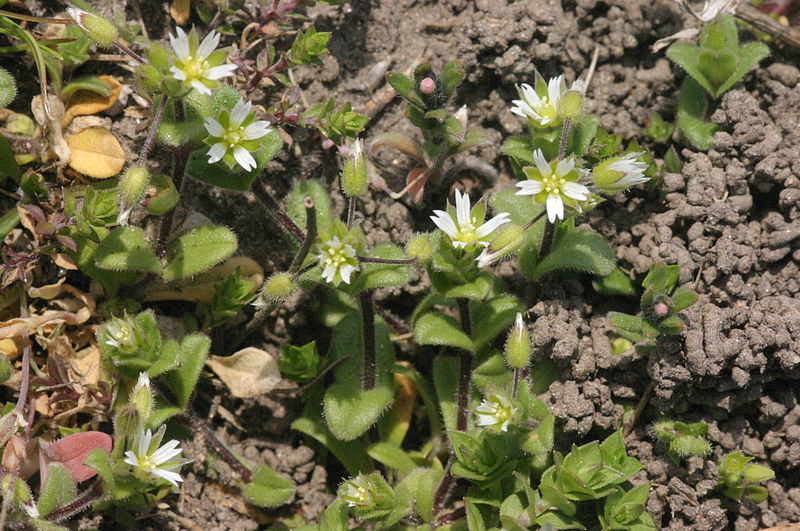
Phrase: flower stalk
[180,160]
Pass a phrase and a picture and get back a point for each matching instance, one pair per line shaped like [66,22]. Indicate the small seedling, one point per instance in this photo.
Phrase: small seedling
[738,477]
[682,439]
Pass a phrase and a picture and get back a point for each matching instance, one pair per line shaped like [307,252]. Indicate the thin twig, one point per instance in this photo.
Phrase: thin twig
[592,67]
[135,56]
[639,409]
[767,24]
[197,424]
[276,211]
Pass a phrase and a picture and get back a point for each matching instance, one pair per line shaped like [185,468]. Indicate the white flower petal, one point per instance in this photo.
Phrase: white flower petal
[180,44]
[541,163]
[443,220]
[555,207]
[256,130]
[463,210]
[244,158]
[345,272]
[529,187]
[131,458]
[486,258]
[565,166]
[216,152]
[240,112]
[208,45]
[177,73]
[172,477]
[214,128]
[576,191]
[491,225]
[555,87]
[199,87]
[218,72]
[329,272]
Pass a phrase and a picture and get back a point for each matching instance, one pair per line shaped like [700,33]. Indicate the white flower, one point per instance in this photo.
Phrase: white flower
[356,149]
[234,141]
[338,260]
[620,173]
[199,66]
[120,334]
[148,459]
[356,492]
[496,412]
[465,226]
[553,184]
[143,382]
[541,103]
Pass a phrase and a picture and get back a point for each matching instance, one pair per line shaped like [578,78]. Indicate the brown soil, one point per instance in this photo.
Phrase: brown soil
[731,220]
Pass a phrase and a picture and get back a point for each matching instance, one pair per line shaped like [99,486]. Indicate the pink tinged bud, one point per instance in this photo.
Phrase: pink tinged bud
[327,144]
[660,309]
[427,86]
[71,451]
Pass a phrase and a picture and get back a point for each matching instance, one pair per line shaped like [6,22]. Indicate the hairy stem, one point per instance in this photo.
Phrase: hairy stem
[80,503]
[534,220]
[398,261]
[369,377]
[135,56]
[197,424]
[180,159]
[562,146]
[27,351]
[465,372]
[151,135]
[275,210]
[351,211]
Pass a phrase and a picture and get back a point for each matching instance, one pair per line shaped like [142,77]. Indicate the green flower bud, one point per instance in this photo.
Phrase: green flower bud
[133,185]
[664,430]
[278,286]
[687,445]
[421,247]
[354,172]
[126,421]
[101,31]
[142,397]
[518,346]
[367,496]
[570,105]
[119,334]
[8,87]
[508,240]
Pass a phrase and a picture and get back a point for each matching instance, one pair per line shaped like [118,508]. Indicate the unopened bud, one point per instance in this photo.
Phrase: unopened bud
[354,172]
[508,240]
[8,87]
[142,397]
[421,247]
[661,309]
[278,286]
[570,105]
[518,345]
[98,29]
[126,421]
[427,85]
[133,185]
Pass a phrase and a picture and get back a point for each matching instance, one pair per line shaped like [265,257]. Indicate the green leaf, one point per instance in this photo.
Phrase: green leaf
[758,473]
[405,87]
[437,329]
[691,118]
[391,456]
[615,283]
[491,317]
[100,461]
[350,411]
[582,134]
[168,359]
[7,223]
[198,250]
[445,382]
[421,484]
[579,250]
[90,83]
[322,204]
[720,35]
[299,364]
[686,56]
[194,350]
[672,161]
[747,57]
[58,490]
[757,493]
[267,488]
[166,196]
[126,249]
[717,67]
[374,275]
[452,76]
[519,148]
[8,164]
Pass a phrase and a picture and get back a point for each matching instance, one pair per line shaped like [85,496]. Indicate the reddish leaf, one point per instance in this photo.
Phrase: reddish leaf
[71,452]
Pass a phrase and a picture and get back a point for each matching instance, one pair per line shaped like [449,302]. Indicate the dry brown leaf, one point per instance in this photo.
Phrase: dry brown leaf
[9,349]
[64,261]
[86,364]
[89,102]
[201,288]
[52,125]
[179,11]
[51,291]
[73,311]
[96,153]
[248,373]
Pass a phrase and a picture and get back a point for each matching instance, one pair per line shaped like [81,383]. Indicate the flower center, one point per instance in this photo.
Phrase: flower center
[501,413]
[468,232]
[234,136]
[336,257]
[547,109]
[553,184]
[195,68]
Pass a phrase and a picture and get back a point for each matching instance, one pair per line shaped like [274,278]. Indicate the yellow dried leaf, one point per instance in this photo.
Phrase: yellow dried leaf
[88,102]
[248,373]
[201,288]
[48,292]
[96,153]
[9,349]
[179,11]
